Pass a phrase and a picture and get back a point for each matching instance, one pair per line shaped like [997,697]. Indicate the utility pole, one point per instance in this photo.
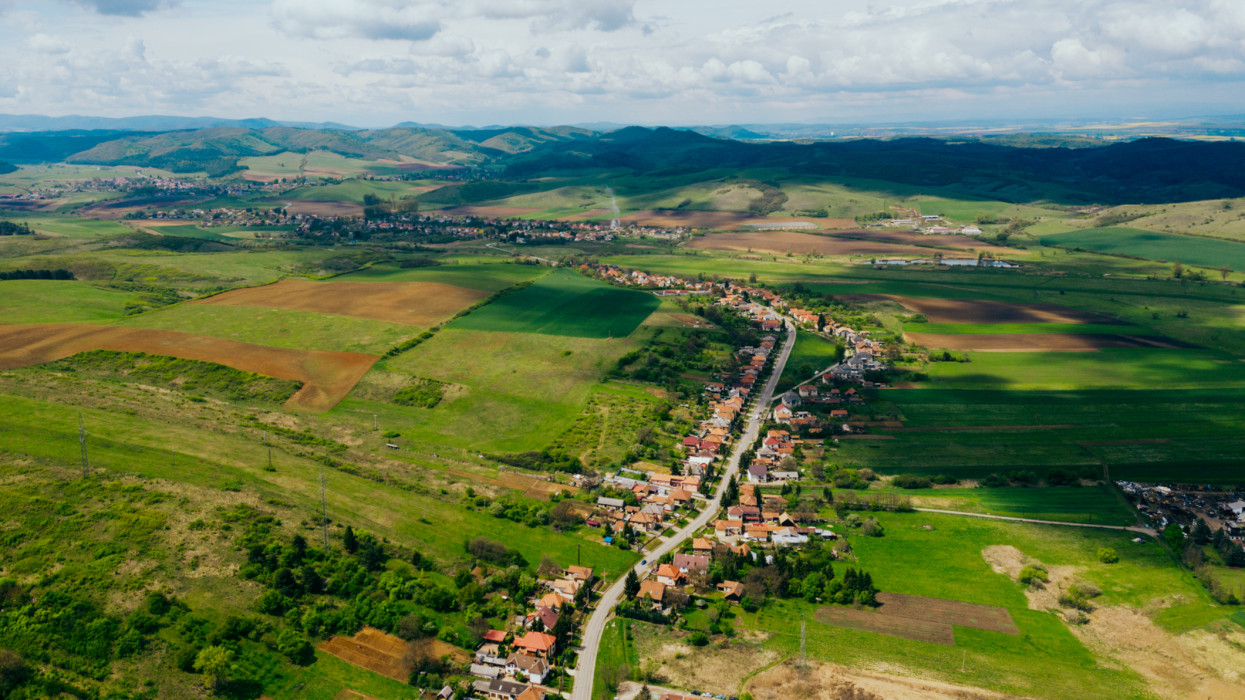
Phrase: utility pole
[324,512]
[375,425]
[270,458]
[803,659]
[86,465]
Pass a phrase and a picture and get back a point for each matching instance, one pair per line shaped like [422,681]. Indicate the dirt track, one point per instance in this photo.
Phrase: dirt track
[1035,342]
[798,243]
[326,376]
[412,303]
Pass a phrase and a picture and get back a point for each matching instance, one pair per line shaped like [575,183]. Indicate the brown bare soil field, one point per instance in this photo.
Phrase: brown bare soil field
[713,219]
[373,650]
[326,376]
[303,206]
[980,311]
[799,243]
[891,625]
[983,617]
[487,211]
[1036,342]
[913,238]
[413,303]
[838,224]
[586,215]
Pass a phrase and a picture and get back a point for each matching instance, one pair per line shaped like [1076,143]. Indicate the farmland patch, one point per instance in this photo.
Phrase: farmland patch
[891,625]
[326,376]
[1038,342]
[567,304]
[1154,246]
[982,311]
[782,242]
[411,303]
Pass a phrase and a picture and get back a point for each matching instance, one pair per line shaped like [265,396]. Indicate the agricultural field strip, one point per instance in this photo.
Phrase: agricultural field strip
[326,376]
[418,304]
[989,516]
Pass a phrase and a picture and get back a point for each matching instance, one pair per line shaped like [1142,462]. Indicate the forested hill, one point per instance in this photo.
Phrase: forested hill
[1143,171]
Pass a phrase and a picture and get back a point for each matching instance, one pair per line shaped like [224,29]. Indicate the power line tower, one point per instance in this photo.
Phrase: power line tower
[86,464]
[324,512]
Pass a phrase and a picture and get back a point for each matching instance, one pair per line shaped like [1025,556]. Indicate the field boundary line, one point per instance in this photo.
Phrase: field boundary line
[1129,528]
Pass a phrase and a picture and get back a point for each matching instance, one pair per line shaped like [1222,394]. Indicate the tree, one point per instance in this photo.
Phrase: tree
[213,662]
[295,647]
[349,541]
[1201,532]
[1108,555]
[1177,270]
[645,693]
[13,671]
[1174,537]
[631,586]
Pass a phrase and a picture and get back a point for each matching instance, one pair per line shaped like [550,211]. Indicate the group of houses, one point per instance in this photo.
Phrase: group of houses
[762,519]
[639,278]
[513,664]
[660,498]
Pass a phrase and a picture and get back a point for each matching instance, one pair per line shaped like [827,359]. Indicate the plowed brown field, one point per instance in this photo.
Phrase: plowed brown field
[1036,342]
[412,303]
[953,612]
[892,625]
[374,650]
[913,238]
[981,311]
[326,376]
[803,243]
[305,206]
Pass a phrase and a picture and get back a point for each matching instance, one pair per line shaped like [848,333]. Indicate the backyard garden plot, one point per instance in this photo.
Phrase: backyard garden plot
[565,303]
[410,303]
[326,376]
[386,654]
[1151,245]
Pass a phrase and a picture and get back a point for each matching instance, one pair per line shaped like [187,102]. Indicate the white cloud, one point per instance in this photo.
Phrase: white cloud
[42,43]
[128,8]
[567,60]
[367,19]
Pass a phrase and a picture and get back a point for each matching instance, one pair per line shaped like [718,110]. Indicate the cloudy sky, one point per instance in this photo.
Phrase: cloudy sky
[377,62]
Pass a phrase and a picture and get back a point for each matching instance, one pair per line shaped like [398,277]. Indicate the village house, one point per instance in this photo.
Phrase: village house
[688,563]
[670,575]
[732,590]
[533,667]
[654,591]
[537,644]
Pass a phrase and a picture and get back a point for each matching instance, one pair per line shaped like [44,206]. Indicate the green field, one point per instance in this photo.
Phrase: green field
[59,301]
[1009,328]
[489,277]
[516,391]
[565,303]
[1153,246]
[1171,434]
[68,226]
[1115,368]
[944,560]
[1087,504]
[811,354]
[282,328]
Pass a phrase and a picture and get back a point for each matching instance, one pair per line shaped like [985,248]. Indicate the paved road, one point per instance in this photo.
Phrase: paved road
[1131,528]
[595,626]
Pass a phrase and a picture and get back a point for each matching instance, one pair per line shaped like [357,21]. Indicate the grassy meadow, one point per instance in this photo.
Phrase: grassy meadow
[1153,245]
[565,303]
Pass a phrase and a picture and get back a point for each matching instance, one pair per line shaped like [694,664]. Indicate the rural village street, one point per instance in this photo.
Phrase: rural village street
[595,627]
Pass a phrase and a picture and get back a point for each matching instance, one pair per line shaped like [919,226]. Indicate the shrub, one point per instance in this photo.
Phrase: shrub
[698,639]
[1032,575]
[912,481]
[1108,555]
[422,393]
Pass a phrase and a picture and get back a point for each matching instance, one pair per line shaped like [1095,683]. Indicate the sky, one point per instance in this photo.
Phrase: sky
[374,63]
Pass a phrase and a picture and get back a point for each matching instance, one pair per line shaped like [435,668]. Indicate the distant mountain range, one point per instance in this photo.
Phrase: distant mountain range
[1017,168]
